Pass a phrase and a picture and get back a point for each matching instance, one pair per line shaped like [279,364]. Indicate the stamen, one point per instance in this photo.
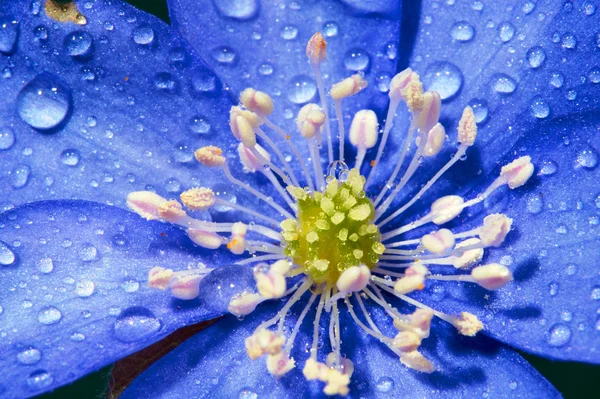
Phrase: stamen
[438,242]
[271,283]
[309,122]
[244,303]
[430,112]
[363,134]
[316,53]
[280,363]
[205,239]
[290,341]
[435,140]
[257,101]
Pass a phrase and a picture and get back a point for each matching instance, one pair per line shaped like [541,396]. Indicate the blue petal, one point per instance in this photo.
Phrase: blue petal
[551,308]
[213,363]
[517,63]
[73,296]
[131,102]
[254,43]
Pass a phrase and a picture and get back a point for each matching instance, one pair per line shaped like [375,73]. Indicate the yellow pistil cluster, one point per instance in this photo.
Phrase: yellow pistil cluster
[334,229]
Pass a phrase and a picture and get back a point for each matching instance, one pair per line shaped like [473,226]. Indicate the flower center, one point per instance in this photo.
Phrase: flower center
[333,230]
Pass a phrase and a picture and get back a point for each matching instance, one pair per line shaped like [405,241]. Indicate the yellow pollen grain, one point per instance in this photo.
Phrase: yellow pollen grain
[358,254]
[354,237]
[349,203]
[64,12]
[321,264]
[312,237]
[360,212]
[338,218]
[343,234]
[378,248]
[289,225]
[327,206]
[322,224]
[371,229]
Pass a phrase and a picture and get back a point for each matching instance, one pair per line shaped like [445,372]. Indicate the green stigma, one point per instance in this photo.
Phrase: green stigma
[334,230]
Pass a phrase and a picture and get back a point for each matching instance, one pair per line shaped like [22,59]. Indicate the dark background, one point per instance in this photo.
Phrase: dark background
[573,380]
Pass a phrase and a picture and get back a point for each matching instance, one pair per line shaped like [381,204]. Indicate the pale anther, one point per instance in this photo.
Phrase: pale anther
[210,156]
[185,287]
[199,198]
[467,127]
[316,49]
[354,279]
[145,204]
[279,364]
[407,85]
[264,341]
[257,101]
[435,140]
[430,111]
[416,361]
[408,284]
[492,276]
[271,283]
[310,120]
[495,228]
[242,127]
[171,211]
[205,239]
[407,341]
[159,277]
[249,161]
[237,245]
[469,257]
[439,241]
[244,303]
[348,87]
[364,129]
[517,172]
[467,324]
[446,208]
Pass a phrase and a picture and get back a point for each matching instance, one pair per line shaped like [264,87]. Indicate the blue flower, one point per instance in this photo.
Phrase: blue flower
[100,100]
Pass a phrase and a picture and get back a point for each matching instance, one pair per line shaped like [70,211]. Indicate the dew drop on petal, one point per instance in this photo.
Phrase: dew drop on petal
[535,204]
[7,138]
[506,31]
[29,356]
[265,69]
[385,384]
[247,393]
[199,125]
[39,379]
[45,265]
[330,29]
[357,59]
[49,315]
[557,80]
[462,31]
[539,108]
[204,82]
[224,55]
[165,82]
[20,175]
[44,102]
[143,34]
[536,57]
[237,9]
[588,8]
[553,288]
[595,295]
[569,41]
[594,75]
[78,43]
[289,32]
[9,33]
[7,257]
[301,89]
[559,335]
[69,157]
[586,158]
[220,285]
[136,324]
[503,84]
[443,77]
[85,288]
[480,109]
[88,253]
[130,286]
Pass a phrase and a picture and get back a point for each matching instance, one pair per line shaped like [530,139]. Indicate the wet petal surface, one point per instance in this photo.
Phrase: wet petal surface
[74,297]
[214,362]
[97,110]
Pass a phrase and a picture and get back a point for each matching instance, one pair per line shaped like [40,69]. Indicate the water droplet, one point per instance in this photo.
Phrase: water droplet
[78,43]
[559,335]
[443,77]
[39,379]
[218,287]
[565,315]
[503,84]
[224,191]
[594,75]
[69,157]
[165,82]
[562,229]
[301,89]
[237,9]
[571,269]
[7,138]
[385,384]
[41,33]
[535,204]
[85,288]
[539,108]
[136,324]
[204,82]
[289,32]
[77,337]
[45,265]
[512,385]
[569,41]
[88,253]
[143,34]
[587,158]
[357,59]
[49,315]
[7,257]
[480,109]
[557,80]
[595,295]
[330,29]
[224,55]
[246,393]
[588,8]
[338,170]
[536,57]
[462,31]
[9,33]
[553,288]
[29,356]
[506,31]
[44,102]
[20,175]
[383,82]
[265,69]
[130,286]
[199,124]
